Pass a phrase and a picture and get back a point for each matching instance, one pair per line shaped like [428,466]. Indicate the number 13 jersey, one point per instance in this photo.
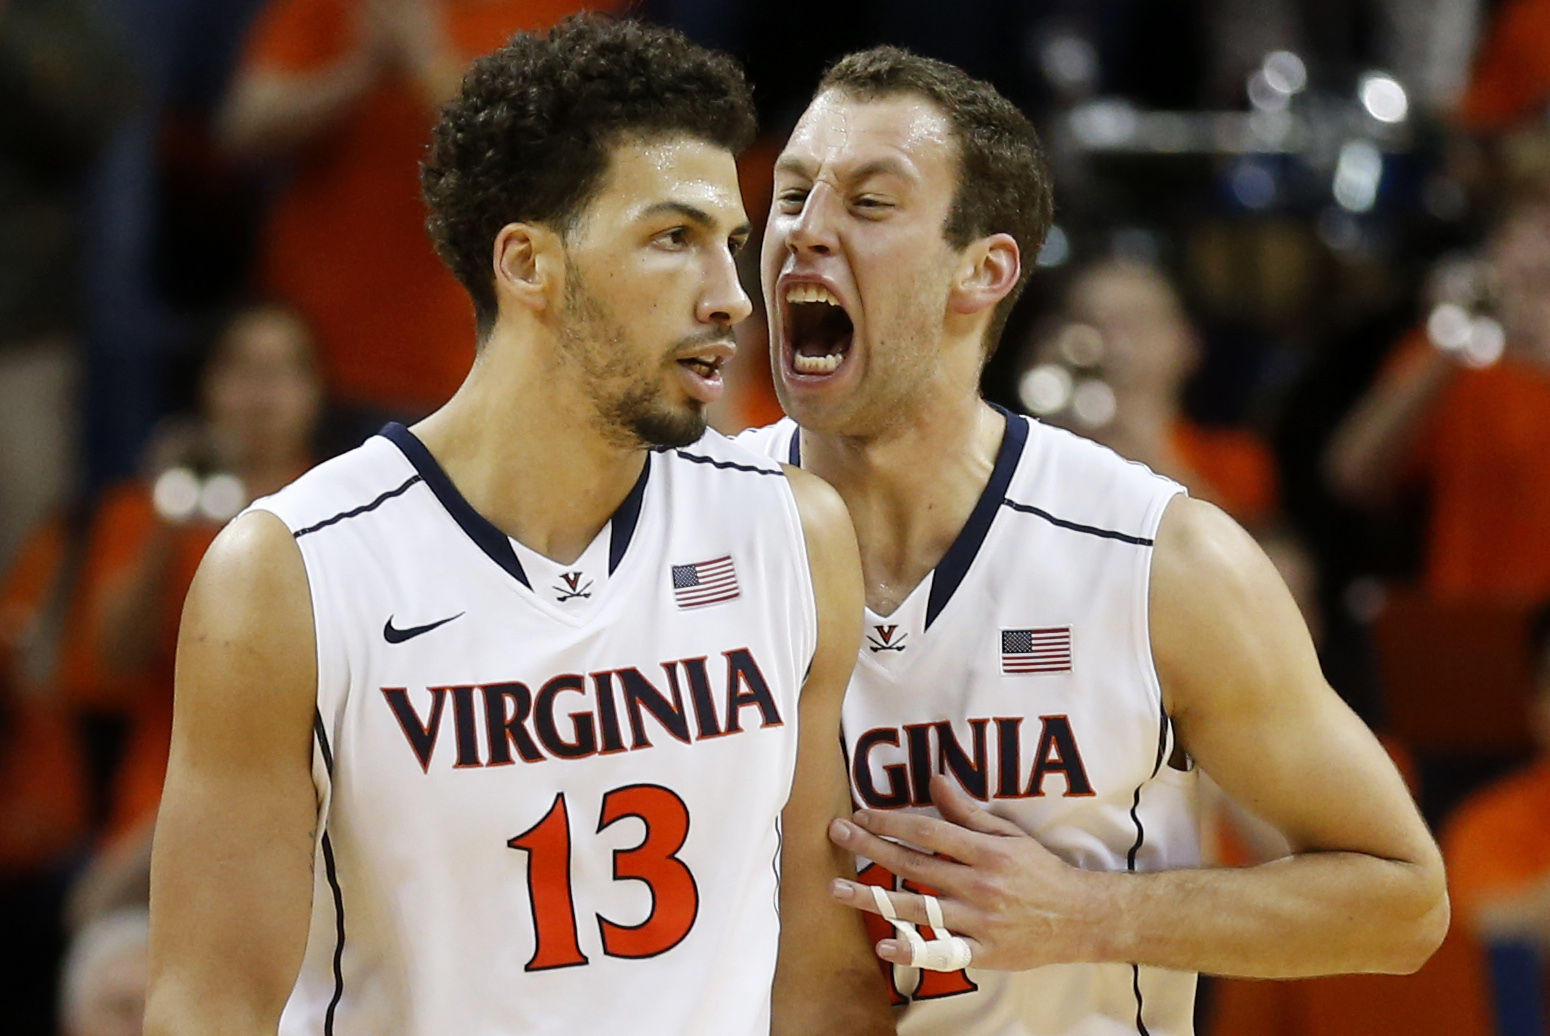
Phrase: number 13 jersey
[549,794]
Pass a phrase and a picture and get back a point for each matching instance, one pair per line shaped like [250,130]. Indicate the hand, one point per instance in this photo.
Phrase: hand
[411,31]
[1016,903]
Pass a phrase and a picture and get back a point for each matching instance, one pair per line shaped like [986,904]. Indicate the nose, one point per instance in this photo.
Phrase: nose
[812,229]
[723,301]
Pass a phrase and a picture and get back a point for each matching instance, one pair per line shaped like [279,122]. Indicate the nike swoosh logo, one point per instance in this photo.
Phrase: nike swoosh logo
[393,635]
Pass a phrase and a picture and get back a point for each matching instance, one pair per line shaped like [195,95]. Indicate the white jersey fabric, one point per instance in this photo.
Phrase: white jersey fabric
[1022,666]
[550,800]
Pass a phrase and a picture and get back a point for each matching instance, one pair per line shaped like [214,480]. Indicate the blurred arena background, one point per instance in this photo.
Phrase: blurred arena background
[1301,262]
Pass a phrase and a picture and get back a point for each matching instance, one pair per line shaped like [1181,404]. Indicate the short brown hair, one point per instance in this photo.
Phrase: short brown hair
[1003,181]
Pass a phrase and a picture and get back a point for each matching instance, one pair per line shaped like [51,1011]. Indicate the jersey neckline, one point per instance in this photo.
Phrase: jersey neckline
[491,540]
[949,572]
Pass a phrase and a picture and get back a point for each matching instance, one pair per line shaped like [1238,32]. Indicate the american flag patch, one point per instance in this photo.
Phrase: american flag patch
[704,582]
[1044,650]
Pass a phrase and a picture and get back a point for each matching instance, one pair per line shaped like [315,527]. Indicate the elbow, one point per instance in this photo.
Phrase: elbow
[1419,934]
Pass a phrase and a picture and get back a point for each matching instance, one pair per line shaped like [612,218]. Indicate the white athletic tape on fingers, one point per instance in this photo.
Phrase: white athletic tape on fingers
[945,951]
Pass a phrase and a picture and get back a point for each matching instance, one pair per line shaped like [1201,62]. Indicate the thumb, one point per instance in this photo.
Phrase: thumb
[955,805]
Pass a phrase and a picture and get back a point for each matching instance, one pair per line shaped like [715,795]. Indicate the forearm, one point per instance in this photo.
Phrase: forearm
[1366,456]
[268,115]
[1311,914]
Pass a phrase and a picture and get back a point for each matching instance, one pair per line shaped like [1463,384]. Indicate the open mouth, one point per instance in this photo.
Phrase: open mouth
[818,329]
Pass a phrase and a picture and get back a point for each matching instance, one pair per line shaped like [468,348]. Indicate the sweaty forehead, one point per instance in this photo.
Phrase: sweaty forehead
[841,136]
[679,171]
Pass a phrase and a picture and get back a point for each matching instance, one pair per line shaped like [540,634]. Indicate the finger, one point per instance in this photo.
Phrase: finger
[896,951]
[957,806]
[906,906]
[932,834]
[900,859]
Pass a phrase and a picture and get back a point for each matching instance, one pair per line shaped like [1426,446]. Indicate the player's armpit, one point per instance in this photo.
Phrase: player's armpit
[827,980]
[231,870]
[1364,890]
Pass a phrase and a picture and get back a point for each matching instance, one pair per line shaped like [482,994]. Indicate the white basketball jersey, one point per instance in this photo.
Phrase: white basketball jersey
[1022,667]
[550,794]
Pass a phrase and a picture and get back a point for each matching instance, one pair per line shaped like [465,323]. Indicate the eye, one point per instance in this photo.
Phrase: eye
[791,199]
[872,205]
[737,244]
[674,238]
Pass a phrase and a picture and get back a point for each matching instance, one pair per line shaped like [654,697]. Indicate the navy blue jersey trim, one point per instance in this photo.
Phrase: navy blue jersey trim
[1135,984]
[729,465]
[342,515]
[622,524]
[1130,860]
[322,736]
[794,454]
[955,563]
[333,883]
[489,539]
[1091,530]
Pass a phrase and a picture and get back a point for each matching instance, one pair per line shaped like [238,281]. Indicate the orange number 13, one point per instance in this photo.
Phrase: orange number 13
[675,899]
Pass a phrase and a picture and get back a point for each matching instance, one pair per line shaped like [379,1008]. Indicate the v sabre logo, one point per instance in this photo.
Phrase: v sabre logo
[573,587]
[885,640]
[396,635]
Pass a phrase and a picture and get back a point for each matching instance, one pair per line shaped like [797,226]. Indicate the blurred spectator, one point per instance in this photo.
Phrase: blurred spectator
[258,408]
[1120,362]
[65,86]
[347,90]
[1465,409]
[1498,854]
[43,788]
[1510,83]
[105,973]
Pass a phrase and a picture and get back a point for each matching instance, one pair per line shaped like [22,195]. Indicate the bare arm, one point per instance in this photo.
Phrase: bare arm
[827,981]
[1365,459]
[269,114]
[231,868]
[1363,889]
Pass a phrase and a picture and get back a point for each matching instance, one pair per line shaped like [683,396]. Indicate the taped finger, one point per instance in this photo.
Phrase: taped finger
[944,952]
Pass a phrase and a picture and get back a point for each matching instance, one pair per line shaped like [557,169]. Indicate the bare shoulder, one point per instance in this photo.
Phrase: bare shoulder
[247,621]
[825,521]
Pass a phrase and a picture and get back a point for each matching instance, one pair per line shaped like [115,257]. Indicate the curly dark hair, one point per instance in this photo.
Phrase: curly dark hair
[529,136]
[1003,182]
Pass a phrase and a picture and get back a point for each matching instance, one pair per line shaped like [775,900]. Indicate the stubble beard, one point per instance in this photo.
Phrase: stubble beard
[629,410]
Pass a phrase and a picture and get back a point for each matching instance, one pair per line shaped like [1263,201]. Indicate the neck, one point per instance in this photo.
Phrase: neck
[911,490]
[523,448]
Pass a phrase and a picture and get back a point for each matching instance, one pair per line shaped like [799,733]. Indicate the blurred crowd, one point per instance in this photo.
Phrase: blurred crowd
[1301,264]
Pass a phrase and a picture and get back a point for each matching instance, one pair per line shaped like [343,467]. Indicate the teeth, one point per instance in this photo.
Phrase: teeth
[817,364]
[811,293]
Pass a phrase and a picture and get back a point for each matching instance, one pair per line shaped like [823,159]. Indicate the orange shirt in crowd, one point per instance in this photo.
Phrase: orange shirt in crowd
[1238,470]
[1497,842]
[42,775]
[1511,79]
[346,241]
[1485,453]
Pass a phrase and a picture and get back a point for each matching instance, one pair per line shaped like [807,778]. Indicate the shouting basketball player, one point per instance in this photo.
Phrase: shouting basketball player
[526,719]
[1055,637]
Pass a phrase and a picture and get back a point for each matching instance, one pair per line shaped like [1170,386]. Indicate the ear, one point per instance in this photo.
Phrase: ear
[987,272]
[529,266]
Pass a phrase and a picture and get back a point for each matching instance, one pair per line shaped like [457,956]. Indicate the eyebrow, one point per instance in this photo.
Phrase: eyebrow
[693,214]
